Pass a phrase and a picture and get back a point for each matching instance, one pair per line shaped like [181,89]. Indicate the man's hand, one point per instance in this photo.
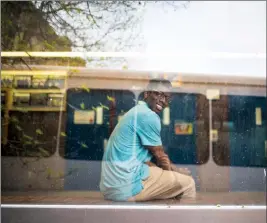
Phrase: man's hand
[184,171]
[164,162]
[150,163]
[162,159]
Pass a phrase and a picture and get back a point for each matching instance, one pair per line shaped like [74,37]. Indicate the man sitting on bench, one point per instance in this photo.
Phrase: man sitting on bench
[127,171]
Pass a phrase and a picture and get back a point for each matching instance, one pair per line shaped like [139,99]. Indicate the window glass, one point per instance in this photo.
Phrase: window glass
[241,125]
[91,118]
[71,70]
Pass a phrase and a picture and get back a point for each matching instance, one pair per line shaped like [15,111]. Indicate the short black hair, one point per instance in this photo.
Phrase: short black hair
[154,83]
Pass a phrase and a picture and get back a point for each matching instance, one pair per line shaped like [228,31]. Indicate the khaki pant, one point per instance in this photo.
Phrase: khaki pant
[163,184]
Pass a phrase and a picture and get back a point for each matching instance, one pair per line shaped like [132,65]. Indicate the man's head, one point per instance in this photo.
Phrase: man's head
[157,95]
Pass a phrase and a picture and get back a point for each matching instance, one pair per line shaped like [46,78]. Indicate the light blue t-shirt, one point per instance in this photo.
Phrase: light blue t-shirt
[123,165]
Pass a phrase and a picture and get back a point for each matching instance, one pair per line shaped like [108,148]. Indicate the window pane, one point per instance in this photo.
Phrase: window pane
[91,117]
[241,125]
[31,134]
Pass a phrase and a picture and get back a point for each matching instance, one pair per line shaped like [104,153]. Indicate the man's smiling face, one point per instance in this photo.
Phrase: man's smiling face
[158,99]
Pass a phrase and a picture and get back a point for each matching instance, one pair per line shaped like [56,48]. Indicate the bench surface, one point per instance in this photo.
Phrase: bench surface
[92,197]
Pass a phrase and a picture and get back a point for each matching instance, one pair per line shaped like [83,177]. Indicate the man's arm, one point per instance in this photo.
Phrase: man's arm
[149,132]
[162,158]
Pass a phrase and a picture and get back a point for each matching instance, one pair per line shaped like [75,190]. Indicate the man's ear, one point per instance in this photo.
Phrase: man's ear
[145,95]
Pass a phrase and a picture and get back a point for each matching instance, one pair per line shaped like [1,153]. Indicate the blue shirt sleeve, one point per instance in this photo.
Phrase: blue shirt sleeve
[148,129]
